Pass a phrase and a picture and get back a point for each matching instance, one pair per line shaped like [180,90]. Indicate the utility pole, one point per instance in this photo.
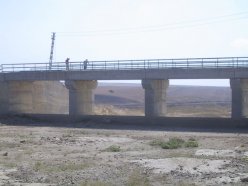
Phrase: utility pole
[51,53]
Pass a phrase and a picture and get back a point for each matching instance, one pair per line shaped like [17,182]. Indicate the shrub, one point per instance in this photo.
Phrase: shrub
[113,148]
[173,143]
[190,144]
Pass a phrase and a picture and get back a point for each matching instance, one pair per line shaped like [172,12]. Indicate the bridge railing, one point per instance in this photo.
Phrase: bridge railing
[183,63]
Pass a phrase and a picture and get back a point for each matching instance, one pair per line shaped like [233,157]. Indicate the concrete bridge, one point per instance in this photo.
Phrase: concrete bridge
[17,81]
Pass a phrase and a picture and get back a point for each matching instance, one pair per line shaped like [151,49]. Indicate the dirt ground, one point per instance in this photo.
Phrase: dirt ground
[95,157]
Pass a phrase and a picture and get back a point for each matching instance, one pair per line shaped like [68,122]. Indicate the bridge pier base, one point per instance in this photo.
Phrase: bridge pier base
[155,97]
[239,98]
[81,96]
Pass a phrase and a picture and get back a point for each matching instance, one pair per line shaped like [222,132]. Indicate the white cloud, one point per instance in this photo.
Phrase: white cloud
[240,43]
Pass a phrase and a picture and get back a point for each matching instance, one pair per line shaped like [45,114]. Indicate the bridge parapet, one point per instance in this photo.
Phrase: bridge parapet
[179,63]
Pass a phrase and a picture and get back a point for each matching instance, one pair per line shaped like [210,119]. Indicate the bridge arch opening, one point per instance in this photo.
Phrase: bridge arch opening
[120,97]
[199,98]
[184,98]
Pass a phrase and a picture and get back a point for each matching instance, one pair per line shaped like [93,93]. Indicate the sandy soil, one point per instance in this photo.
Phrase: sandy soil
[70,156]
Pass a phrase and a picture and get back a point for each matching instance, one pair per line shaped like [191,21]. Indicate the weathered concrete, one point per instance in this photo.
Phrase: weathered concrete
[81,97]
[18,97]
[239,98]
[50,97]
[43,97]
[155,97]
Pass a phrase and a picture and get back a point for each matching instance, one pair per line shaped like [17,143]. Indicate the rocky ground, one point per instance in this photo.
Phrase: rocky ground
[35,155]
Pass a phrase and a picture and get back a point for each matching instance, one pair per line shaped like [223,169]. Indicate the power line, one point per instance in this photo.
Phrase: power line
[168,26]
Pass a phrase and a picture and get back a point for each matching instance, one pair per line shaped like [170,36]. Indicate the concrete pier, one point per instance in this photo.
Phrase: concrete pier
[155,97]
[81,96]
[239,98]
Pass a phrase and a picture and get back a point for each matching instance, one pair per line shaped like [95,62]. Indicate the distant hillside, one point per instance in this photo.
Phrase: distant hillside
[133,95]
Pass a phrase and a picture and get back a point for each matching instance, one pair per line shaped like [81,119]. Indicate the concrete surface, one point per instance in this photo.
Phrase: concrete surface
[239,97]
[155,97]
[43,97]
[81,97]
[173,73]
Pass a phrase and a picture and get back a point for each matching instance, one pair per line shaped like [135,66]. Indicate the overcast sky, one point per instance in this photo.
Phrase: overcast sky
[122,29]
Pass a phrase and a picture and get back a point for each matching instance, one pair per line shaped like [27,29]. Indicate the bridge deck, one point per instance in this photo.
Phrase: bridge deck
[184,68]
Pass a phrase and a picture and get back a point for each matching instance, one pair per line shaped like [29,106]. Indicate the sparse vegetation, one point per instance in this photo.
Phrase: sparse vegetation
[94,183]
[191,144]
[156,142]
[67,156]
[9,145]
[137,179]
[8,164]
[174,143]
[71,166]
[245,158]
[185,183]
[113,148]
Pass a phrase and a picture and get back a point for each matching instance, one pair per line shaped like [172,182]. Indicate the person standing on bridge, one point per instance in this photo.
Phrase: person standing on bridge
[85,64]
[67,63]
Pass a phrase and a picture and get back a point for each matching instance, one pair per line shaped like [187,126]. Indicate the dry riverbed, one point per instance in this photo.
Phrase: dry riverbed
[79,156]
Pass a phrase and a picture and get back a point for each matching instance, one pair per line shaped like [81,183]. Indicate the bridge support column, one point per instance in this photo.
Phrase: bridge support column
[81,97]
[155,97]
[239,98]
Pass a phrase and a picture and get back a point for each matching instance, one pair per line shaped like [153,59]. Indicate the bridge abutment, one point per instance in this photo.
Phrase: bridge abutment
[81,97]
[239,98]
[155,97]
[38,97]
[16,97]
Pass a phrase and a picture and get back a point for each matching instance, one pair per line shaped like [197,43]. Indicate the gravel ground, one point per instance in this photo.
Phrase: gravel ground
[69,156]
